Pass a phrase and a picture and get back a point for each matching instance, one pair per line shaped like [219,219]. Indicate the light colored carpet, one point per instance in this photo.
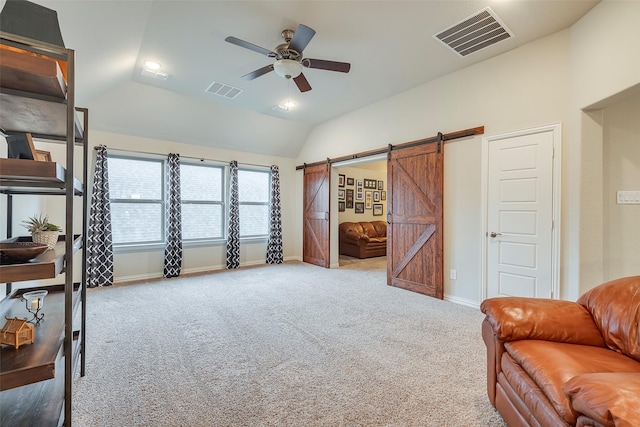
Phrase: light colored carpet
[281,345]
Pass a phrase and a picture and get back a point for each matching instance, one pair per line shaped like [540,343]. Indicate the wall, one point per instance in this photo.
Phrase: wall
[523,88]
[621,169]
[138,265]
[604,67]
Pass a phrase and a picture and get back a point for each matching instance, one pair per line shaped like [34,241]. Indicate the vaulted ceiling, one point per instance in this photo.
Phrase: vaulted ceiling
[389,44]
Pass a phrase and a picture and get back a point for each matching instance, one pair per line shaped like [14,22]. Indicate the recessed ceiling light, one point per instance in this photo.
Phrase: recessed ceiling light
[152,65]
[288,105]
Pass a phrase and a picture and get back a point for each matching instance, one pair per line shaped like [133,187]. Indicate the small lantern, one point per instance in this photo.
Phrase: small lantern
[16,332]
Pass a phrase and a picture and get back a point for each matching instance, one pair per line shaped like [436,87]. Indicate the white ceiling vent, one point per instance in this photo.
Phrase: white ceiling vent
[223,90]
[476,32]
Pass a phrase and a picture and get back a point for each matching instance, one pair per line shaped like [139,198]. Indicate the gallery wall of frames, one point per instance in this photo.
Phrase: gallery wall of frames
[362,192]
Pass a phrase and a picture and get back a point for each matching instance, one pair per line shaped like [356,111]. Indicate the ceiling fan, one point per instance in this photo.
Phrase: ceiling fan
[288,56]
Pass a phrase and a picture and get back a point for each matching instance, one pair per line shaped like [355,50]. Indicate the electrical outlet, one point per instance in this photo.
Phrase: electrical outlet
[452,274]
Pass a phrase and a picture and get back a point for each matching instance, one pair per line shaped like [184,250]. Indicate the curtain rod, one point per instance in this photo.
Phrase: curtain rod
[202,159]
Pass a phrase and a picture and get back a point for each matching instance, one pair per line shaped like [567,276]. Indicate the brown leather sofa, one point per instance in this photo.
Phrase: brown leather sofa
[562,363]
[363,239]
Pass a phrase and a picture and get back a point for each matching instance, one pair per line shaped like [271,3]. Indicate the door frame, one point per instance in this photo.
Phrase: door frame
[334,245]
[556,129]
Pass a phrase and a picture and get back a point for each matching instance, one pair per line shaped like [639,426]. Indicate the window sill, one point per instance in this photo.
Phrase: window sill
[152,247]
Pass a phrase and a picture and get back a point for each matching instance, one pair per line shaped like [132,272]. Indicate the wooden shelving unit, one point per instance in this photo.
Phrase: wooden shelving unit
[36,379]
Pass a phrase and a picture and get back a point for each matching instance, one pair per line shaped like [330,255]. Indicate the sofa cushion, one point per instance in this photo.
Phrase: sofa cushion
[368,229]
[381,228]
[615,308]
[612,399]
[552,364]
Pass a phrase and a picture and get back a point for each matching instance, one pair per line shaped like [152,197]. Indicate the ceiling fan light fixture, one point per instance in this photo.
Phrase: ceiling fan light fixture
[288,105]
[287,68]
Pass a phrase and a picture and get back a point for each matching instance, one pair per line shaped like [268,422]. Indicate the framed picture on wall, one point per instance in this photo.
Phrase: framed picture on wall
[349,181]
[367,200]
[349,204]
[370,183]
[340,194]
[383,195]
[376,196]
[349,194]
[43,156]
[380,185]
[340,180]
[341,206]
[359,184]
[359,207]
[359,194]
[377,209]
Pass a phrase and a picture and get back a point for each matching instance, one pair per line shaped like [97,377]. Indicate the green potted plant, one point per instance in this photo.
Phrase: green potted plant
[42,231]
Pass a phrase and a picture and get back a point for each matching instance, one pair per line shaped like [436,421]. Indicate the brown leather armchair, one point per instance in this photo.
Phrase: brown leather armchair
[562,363]
[363,239]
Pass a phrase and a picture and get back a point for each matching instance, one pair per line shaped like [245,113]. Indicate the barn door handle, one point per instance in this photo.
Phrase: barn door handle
[494,234]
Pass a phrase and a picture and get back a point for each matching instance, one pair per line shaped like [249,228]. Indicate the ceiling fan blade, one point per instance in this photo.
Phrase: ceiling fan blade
[341,67]
[301,38]
[257,73]
[250,46]
[302,83]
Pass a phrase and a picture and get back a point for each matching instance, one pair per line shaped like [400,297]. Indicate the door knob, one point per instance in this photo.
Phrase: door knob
[494,234]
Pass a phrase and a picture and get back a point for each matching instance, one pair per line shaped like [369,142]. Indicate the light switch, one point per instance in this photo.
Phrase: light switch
[628,197]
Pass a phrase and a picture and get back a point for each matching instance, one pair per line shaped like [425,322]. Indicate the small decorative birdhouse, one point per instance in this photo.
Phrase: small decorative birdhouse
[16,332]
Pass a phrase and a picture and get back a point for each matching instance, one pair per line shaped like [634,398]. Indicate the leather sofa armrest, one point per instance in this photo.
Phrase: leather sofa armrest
[353,236]
[610,399]
[495,348]
[517,318]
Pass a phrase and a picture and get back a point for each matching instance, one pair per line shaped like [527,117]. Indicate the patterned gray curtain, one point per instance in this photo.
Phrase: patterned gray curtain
[233,240]
[173,227]
[99,241]
[274,245]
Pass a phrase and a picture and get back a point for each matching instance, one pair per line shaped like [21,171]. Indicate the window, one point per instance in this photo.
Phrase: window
[137,194]
[253,198]
[136,188]
[202,201]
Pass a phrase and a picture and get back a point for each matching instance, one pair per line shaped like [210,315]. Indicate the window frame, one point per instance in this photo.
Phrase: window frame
[161,201]
[222,203]
[267,203]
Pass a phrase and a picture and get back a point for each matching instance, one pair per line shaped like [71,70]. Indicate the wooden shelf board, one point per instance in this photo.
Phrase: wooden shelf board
[20,176]
[30,73]
[33,362]
[21,113]
[39,404]
[45,266]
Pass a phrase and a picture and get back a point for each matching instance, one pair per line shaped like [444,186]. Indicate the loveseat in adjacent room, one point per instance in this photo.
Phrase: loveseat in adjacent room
[364,239]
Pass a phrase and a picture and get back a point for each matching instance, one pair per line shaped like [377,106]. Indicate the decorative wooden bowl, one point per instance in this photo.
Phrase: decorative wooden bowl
[20,251]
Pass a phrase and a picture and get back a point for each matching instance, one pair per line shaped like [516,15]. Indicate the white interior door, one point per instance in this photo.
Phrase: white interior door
[520,250]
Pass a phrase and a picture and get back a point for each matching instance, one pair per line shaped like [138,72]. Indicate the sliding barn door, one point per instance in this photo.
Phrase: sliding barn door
[414,234]
[315,238]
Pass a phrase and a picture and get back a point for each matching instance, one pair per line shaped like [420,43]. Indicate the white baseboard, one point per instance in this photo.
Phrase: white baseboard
[187,271]
[462,301]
